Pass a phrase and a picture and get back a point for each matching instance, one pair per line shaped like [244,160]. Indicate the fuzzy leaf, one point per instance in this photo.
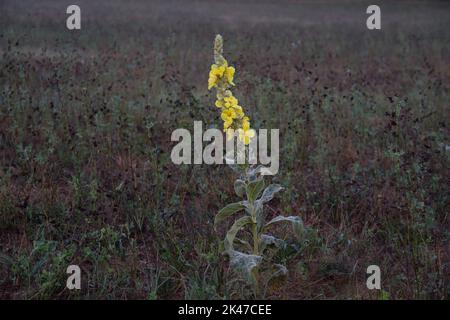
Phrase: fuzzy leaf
[267,240]
[239,187]
[254,188]
[228,211]
[231,234]
[269,192]
[297,223]
[244,263]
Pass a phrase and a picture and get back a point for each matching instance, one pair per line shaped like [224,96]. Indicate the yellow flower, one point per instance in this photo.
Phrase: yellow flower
[219,104]
[239,111]
[245,124]
[218,70]
[212,81]
[230,102]
[227,101]
[215,74]
[229,74]
[228,114]
[227,124]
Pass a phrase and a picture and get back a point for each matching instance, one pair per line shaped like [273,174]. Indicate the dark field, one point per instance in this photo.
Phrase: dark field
[86,119]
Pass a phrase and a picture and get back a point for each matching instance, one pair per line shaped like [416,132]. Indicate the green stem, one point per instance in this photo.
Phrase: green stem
[255,250]
[255,237]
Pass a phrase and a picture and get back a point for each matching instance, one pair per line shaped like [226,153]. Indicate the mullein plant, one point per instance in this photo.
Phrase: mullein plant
[248,242]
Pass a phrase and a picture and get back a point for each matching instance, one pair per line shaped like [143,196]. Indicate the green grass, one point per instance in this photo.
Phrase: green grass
[85,124]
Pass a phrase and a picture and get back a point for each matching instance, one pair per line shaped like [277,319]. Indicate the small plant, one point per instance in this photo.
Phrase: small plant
[250,258]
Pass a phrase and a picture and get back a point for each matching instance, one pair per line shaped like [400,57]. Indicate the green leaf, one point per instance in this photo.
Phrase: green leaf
[297,223]
[254,188]
[269,192]
[239,187]
[231,234]
[228,211]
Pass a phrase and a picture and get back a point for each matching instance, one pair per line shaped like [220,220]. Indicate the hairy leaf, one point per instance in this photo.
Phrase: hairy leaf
[254,188]
[269,192]
[268,240]
[244,263]
[237,225]
[239,187]
[228,211]
[297,223]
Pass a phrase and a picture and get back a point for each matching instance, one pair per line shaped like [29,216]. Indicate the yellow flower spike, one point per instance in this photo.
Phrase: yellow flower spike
[221,77]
